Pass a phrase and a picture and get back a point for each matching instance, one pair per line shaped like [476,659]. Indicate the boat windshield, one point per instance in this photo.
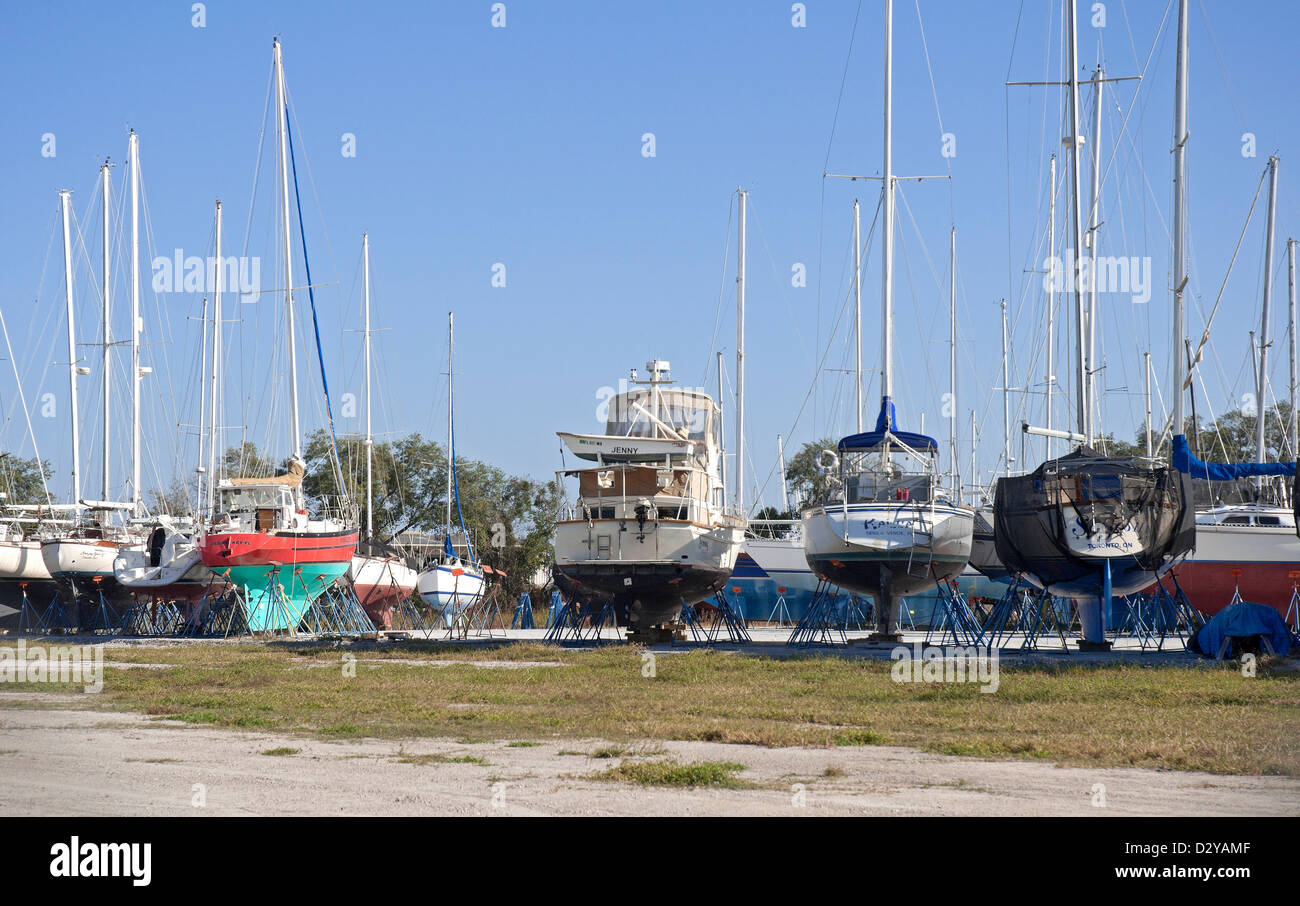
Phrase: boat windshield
[639,414]
[255,498]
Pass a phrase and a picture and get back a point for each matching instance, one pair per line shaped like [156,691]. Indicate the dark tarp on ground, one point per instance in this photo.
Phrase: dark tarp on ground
[1245,618]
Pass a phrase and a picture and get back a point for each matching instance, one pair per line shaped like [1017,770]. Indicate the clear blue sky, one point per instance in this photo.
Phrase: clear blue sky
[522,145]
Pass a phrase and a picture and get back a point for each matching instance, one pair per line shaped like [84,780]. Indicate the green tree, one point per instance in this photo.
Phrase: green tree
[510,518]
[1233,436]
[245,460]
[20,479]
[806,480]
[175,500]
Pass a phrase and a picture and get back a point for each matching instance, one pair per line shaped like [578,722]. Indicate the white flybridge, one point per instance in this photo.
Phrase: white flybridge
[888,532]
[651,528]
[380,574]
[452,580]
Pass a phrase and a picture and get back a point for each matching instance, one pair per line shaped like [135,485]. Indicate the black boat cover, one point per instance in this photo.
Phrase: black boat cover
[1030,521]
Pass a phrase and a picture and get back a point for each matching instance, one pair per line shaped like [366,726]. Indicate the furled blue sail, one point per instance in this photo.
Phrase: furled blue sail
[885,424]
[1188,464]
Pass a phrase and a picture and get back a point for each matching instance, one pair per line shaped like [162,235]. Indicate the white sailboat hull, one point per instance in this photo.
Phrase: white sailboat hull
[449,588]
[79,558]
[909,546]
[21,561]
[180,573]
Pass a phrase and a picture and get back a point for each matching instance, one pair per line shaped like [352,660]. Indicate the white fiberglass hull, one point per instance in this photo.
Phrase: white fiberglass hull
[182,575]
[380,584]
[21,561]
[783,559]
[1259,562]
[449,588]
[887,550]
[79,558]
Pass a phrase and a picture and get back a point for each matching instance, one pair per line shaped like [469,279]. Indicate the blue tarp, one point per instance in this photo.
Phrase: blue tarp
[1245,618]
[1188,464]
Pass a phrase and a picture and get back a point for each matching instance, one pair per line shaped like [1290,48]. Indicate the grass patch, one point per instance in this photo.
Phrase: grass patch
[671,774]
[522,744]
[281,751]
[858,738]
[436,758]
[1183,716]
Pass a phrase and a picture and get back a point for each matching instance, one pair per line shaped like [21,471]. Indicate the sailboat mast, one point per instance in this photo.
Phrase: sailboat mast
[1006,395]
[215,378]
[108,337]
[740,360]
[974,468]
[1051,307]
[857,310]
[1094,243]
[450,452]
[1146,365]
[1290,273]
[65,202]
[722,433]
[133,152]
[780,458]
[205,435]
[282,129]
[365,268]
[952,361]
[1180,219]
[887,246]
[1262,385]
[1076,227]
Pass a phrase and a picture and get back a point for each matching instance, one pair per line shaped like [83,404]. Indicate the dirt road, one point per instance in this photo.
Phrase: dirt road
[95,763]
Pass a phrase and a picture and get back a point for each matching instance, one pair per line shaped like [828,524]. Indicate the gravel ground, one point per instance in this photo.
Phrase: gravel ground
[72,762]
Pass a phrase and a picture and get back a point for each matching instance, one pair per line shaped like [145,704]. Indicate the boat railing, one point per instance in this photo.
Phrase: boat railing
[683,509]
[774,529]
[334,507]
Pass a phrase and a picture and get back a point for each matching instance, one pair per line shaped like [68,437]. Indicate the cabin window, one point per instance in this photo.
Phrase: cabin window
[1267,520]
[1105,487]
[1237,520]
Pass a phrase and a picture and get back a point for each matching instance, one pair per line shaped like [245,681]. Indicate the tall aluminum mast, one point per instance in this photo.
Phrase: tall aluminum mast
[740,361]
[65,203]
[1076,227]
[1094,243]
[133,152]
[1006,396]
[108,336]
[215,378]
[857,311]
[365,267]
[282,129]
[887,246]
[952,364]
[1261,411]
[722,433]
[1290,272]
[1051,308]
[1146,367]
[1180,219]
